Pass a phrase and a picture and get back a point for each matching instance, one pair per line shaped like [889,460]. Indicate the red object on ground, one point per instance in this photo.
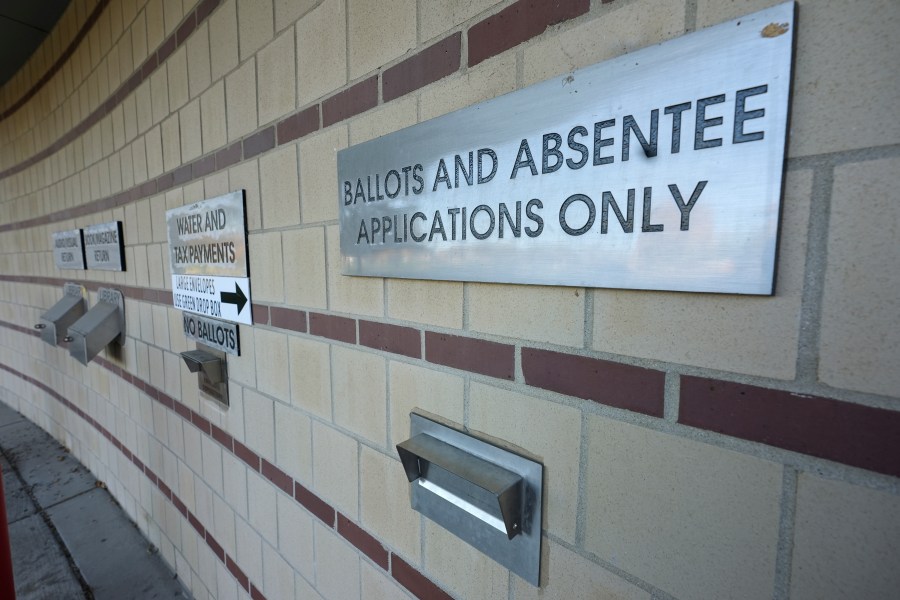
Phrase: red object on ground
[7,587]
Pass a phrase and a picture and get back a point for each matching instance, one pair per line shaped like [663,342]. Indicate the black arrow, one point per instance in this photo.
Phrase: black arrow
[237,297]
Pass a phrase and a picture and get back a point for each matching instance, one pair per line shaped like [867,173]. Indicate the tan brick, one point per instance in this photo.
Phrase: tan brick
[159,95]
[223,39]
[845,541]
[322,51]
[551,432]
[698,521]
[440,16]
[216,184]
[272,364]
[199,75]
[256,19]
[489,311]
[489,79]
[363,295]
[139,38]
[295,535]
[745,334]
[565,575]
[249,551]
[261,506]
[288,11]
[235,483]
[388,516]
[245,176]
[336,468]
[369,47]
[358,381]
[460,568]
[624,29]
[259,424]
[304,267]
[387,119]
[153,147]
[177,67]
[212,115]
[318,164]
[433,302]
[337,566]
[242,118]
[310,376]
[144,222]
[293,446]
[191,140]
[276,78]
[155,23]
[860,342]
[414,387]
[278,178]
[828,114]
[376,585]
[265,265]
[278,577]
[171,143]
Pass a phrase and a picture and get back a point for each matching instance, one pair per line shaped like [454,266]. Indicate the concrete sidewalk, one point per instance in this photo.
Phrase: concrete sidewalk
[69,537]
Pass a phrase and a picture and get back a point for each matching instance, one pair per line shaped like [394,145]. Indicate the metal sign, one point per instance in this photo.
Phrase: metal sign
[104,247]
[661,169]
[68,249]
[214,333]
[208,257]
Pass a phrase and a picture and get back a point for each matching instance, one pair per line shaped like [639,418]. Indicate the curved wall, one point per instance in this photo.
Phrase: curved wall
[694,445]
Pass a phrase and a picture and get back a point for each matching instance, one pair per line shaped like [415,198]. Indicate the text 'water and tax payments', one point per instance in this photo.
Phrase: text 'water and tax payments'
[208,257]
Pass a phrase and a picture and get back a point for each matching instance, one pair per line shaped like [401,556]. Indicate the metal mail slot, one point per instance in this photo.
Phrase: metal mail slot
[99,327]
[56,321]
[485,495]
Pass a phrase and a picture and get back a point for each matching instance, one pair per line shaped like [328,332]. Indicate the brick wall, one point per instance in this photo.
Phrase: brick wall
[695,446]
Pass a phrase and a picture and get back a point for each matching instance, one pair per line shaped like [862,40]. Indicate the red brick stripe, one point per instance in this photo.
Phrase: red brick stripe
[469,354]
[415,582]
[362,540]
[259,142]
[298,125]
[852,434]
[519,23]
[429,65]
[288,318]
[391,338]
[350,102]
[314,504]
[278,477]
[614,384]
[341,329]
[247,455]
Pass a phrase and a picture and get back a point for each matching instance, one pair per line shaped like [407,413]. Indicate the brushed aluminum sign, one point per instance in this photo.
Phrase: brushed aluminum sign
[209,237]
[661,169]
[104,248]
[68,249]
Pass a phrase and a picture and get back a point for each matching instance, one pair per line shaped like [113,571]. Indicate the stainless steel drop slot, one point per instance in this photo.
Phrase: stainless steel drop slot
[56,321]
[210,364]
[486,496]
[212,371]
[99,327]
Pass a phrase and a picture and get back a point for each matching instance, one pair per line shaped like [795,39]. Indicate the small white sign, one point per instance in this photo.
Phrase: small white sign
[226,298]
[104,248]
[68,249]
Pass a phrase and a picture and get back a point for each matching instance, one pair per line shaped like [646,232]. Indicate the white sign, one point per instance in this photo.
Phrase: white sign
[68,249]
[226,298]
[660,169]
[104,248]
